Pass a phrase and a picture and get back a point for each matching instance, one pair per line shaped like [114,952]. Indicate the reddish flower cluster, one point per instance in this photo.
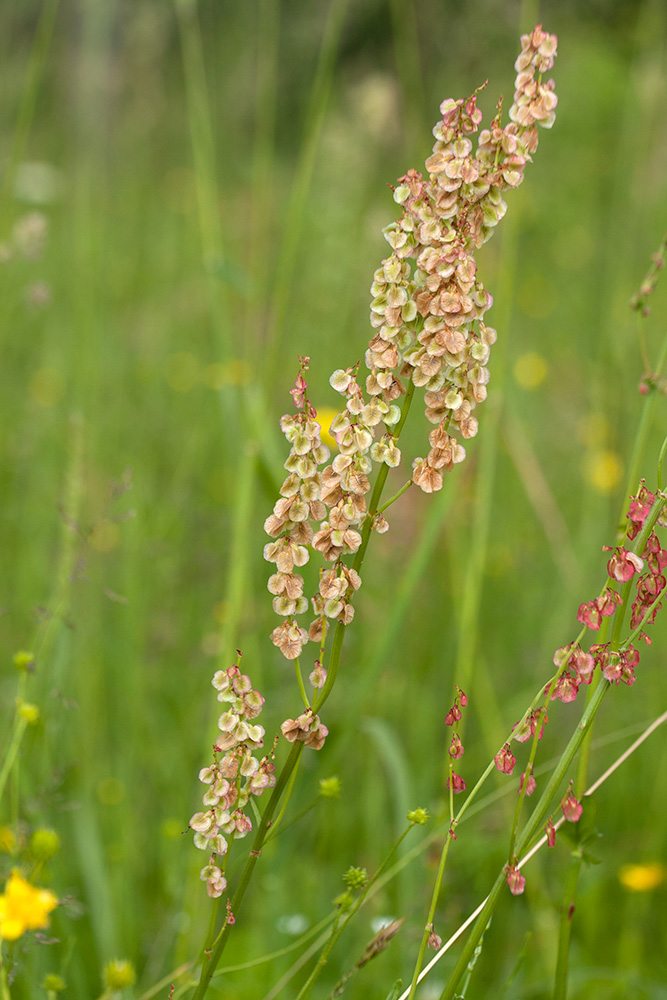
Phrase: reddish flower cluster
[529,726]
[575,667]
[651,583]
[456,750]
[505,760]
[232,779]
[592,613]
[616,665]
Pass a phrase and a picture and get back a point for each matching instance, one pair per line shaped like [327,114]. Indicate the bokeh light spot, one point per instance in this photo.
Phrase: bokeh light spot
[530,370]
[603,470]
[642,878]
[219,374]
[593,430]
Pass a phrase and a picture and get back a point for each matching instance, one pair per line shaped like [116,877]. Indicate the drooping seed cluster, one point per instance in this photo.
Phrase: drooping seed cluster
[428,312]
[430,318]
[290,523]
[334,497]
[232,778]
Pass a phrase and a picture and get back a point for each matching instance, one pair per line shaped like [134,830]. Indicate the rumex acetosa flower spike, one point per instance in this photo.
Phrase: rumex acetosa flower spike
[232,778]
[428,303]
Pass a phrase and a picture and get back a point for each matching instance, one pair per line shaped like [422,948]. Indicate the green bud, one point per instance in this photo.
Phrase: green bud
[118,974]
[418,816]
[330,787]
[28,712]
[44,844]
[355,878]
[24,661]
[53,983]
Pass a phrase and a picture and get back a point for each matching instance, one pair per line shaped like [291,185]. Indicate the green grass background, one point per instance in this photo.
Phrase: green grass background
[215,192]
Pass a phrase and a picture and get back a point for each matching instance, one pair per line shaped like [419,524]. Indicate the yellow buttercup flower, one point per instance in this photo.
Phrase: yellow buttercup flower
[23,907]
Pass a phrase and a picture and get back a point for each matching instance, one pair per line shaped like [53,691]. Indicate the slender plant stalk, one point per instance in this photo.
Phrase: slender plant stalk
[431,913]
[338,929]
[565,924]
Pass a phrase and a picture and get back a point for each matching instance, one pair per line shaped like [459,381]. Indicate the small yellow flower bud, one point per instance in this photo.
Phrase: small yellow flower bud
[28,712]
[24,661]
[418,816]
[330,787]
[53,983]
[44,844]
[118,974]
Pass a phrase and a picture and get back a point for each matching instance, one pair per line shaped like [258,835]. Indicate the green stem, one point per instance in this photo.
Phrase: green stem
[661,459]
[12,750]
[295,818]
[379,483]
[274,826]
[565,926]
[431,913]
[299,680]
[406,486]
[568,904]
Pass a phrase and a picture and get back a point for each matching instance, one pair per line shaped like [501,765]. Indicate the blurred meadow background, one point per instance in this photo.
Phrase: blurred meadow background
[192,196]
